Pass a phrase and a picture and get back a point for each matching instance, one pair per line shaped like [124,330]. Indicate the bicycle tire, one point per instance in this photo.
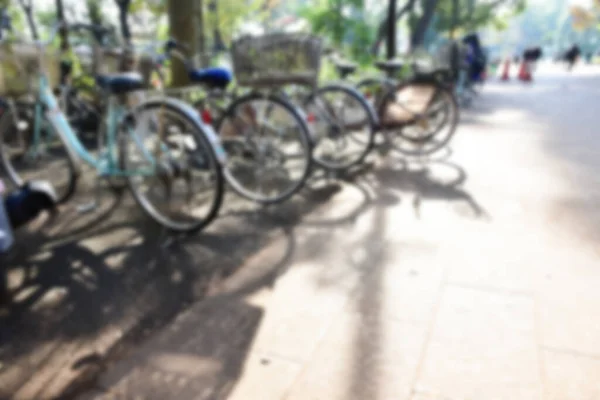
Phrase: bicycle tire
[451,122]
[370,121]
[203,142]
[64,192]
[305,140]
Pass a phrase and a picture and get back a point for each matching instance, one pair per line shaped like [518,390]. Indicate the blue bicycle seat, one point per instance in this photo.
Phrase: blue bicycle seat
[214,77]
[120,83]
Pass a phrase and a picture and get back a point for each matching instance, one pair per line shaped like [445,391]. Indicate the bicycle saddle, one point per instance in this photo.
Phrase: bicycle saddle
[389,66]
[120,83]
[345,67]
[213,77]
[442,75]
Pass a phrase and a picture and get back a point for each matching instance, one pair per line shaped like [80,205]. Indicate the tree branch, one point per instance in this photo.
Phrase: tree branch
[470,19]
[123,20]
[419,33]
[28,9]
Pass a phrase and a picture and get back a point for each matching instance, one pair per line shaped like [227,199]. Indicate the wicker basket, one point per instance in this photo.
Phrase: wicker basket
[277,59]
[20,68]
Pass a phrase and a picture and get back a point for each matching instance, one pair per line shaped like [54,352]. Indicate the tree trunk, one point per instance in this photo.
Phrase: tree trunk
[418,35]
[183,30]
[64,33]
[124,20]
[201,39]
[391,30]
[383,27]
[217,39]
[27,7]
[95,16]
[126,56]
[455,18]
[337,24]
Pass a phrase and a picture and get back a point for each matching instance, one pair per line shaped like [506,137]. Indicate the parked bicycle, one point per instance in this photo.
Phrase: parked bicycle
[161,147]
[79,97]
[267,139]
[418,114]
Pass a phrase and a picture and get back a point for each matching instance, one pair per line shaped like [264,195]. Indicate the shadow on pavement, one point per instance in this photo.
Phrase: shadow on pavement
[437,180]
[84,292]
[198,356]
[82,299]
[369,330]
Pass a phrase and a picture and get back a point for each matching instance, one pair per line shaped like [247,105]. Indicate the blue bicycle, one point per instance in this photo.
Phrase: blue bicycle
[171,160]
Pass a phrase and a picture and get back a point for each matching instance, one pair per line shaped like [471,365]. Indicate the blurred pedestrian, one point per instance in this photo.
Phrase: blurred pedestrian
[572,55]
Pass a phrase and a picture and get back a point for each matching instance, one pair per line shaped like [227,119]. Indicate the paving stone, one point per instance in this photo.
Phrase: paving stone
[483,346]
[362,357]
[265,377]
[405,285]
[571,376]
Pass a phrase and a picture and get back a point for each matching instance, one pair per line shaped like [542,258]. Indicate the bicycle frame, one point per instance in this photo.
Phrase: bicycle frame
[106,164]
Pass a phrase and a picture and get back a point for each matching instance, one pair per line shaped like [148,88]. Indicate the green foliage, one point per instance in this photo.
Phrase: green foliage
[229,15]
[46,18]
[94,11]
[473,15]
[345,23]
[17,18]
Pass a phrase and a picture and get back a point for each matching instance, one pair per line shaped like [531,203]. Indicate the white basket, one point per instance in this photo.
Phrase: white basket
[277,59]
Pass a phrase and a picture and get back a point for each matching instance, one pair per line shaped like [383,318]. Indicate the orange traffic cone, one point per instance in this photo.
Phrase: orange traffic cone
[505,71]
[524,73]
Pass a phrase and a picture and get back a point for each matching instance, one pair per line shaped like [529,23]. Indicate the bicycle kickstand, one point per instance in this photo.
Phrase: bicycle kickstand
[168,239]
[92,204]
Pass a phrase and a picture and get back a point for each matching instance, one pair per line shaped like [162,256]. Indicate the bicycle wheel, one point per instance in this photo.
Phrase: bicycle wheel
[26,157]
[269,150]
[171,165]
[419,118]
[343,124]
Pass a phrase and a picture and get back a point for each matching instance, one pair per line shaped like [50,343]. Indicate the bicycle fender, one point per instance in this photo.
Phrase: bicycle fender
[356,92]
[193,115]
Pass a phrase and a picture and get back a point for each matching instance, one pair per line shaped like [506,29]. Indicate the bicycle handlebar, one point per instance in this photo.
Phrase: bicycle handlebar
[172,44]
[174,48]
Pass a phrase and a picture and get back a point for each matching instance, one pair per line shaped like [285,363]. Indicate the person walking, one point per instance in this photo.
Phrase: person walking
[572,56]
